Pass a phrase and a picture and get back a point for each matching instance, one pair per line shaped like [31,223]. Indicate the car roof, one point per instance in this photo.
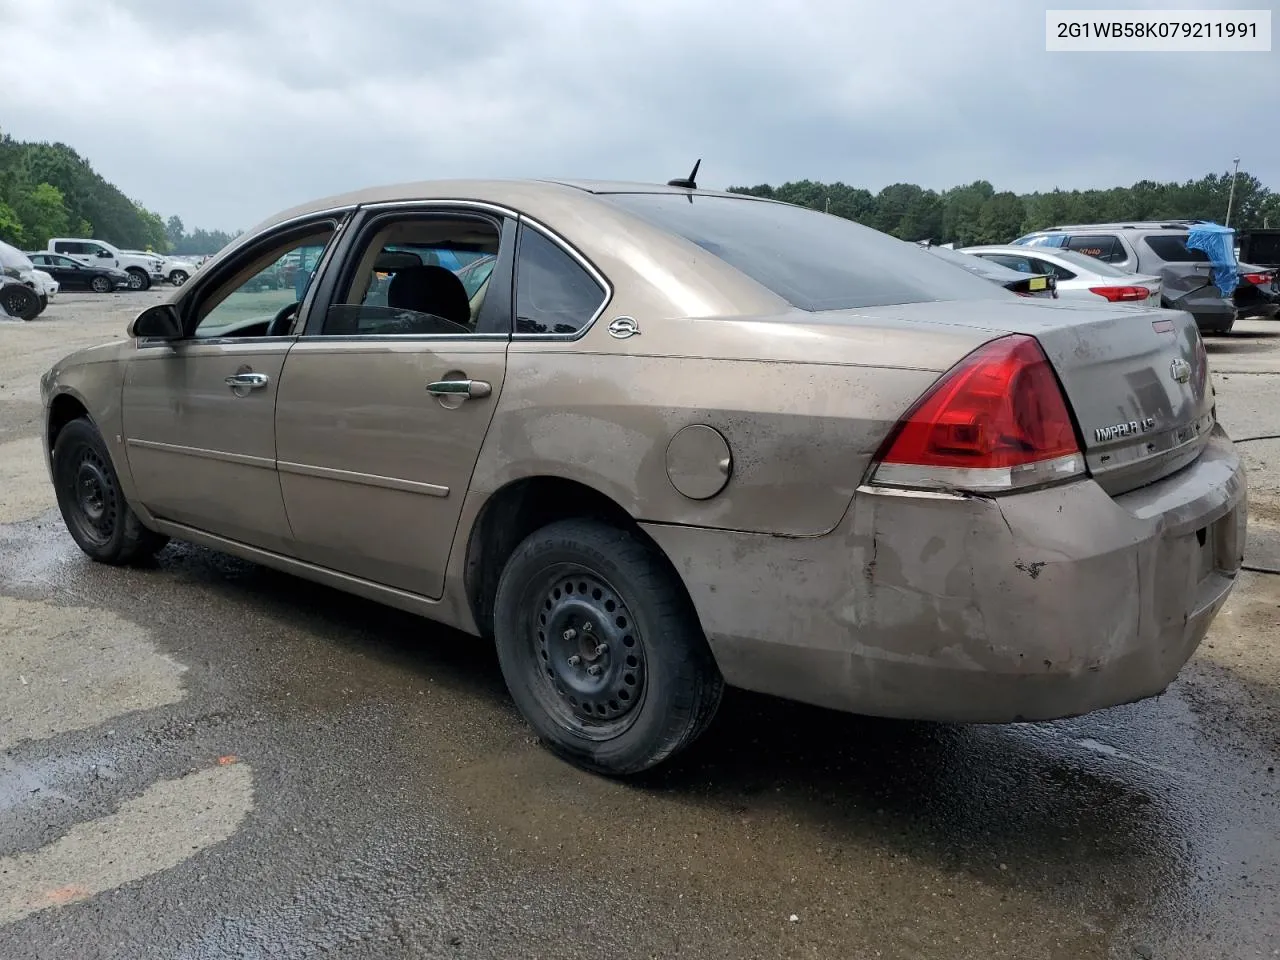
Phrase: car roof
[1125,225]
[518,194]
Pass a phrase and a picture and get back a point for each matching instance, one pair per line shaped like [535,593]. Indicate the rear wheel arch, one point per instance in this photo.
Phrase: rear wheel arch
[515,511]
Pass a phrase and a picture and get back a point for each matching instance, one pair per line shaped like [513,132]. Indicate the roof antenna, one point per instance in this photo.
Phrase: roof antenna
[688,182]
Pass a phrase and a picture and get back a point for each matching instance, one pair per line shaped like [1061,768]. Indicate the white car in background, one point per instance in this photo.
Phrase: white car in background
[177,270]
[1079,276]
[143,268]
[46,286]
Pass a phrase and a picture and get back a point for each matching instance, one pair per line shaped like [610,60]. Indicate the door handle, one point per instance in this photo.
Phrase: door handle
[246,381]
[462,389]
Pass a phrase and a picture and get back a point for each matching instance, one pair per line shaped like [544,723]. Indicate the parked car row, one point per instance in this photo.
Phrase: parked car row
[1128,258]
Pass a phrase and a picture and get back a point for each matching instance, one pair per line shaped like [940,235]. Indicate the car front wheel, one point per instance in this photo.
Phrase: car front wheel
[178,278]
[601,648]
[93,507]
[138,279]
[101,285]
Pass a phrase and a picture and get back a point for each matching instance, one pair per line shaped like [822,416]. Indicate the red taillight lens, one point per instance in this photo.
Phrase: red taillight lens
[1121,294]
[995,421]
[1261,279]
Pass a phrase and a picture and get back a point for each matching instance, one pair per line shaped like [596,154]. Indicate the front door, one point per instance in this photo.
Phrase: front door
[385,402]
[199,413]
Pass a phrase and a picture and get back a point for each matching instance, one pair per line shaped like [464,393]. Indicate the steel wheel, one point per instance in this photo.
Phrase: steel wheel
[89,488]
[601,647]
[592,668]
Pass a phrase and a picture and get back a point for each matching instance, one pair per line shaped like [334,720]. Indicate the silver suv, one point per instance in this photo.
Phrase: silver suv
[1156,248]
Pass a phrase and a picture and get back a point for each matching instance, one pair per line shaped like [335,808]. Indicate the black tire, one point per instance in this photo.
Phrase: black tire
[19,300]
[178,277]
[93,507]
[657,686]
[101,284]
[138,279]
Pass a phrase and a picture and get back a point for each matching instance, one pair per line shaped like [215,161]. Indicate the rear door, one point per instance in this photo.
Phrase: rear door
[385,402]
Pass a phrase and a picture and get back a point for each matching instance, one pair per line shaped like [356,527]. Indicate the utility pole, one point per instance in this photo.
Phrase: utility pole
[1232,198]
[828,208]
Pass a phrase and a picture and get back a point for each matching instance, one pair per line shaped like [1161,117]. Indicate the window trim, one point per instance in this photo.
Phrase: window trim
[371,213]
[583,262]
[224,267]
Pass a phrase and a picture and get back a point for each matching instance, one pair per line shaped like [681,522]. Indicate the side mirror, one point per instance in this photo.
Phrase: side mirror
[160,322]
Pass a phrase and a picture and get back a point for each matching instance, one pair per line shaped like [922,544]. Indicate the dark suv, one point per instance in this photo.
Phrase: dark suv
[1156,249]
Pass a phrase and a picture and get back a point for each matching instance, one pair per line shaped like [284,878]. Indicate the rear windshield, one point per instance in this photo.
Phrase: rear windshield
[1092,264]
[978,266]
[1172,248]
[812,260]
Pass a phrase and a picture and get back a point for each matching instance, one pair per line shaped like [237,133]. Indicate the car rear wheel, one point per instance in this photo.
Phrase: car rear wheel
[601,648]
[138,279]
[93,507]
[178,277]
[101,285]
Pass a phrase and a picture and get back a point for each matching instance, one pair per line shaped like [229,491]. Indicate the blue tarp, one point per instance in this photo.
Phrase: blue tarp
[1218,243]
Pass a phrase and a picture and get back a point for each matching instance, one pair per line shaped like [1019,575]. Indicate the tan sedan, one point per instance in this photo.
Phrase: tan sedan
[662,439]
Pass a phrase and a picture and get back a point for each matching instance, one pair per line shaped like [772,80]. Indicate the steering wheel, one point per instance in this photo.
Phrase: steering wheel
[279,325]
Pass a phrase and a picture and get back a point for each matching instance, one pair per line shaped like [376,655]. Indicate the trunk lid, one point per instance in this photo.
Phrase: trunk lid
[1135,378]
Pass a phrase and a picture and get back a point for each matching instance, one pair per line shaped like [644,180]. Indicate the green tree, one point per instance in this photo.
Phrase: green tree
[11,226]
[43,213]
[174,231]
[1000,219]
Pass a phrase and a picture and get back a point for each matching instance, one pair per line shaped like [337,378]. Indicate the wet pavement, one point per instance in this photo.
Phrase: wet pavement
[208,759]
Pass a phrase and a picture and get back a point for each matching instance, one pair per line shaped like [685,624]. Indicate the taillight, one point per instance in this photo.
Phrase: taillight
[1121,294]
[1261,279]
[995,421]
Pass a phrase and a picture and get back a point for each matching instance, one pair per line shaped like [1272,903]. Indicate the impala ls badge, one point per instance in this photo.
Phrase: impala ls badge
[1180,370]
[1128,429]
[623,327]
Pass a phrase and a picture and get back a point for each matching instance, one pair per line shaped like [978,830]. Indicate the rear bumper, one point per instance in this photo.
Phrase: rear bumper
[1032,606]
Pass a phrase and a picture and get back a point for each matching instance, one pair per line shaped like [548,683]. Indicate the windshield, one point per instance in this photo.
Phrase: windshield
[812,260]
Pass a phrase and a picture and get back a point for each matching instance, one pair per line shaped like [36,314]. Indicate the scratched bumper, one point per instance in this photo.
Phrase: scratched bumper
[1034,606]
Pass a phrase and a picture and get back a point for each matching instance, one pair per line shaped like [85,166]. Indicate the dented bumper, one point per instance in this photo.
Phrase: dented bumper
[1031,606]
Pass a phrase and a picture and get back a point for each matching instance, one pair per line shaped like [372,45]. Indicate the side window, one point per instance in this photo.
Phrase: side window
[554,293]
[419,274]
[1172,248]
[1103,248]
[66,246]
[245,303]
[1021,264]
[1053,269]
[102,253]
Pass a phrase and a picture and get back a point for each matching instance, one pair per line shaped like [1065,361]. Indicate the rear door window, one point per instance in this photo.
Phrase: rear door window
[1021,264]
[1102,247]
[1054,270]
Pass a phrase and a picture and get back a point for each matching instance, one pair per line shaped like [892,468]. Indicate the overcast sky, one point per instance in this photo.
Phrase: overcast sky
[225,111]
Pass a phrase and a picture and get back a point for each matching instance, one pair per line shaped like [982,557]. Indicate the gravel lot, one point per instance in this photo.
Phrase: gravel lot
[208,759]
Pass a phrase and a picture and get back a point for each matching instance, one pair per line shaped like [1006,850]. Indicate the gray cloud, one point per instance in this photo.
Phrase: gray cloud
[224,112]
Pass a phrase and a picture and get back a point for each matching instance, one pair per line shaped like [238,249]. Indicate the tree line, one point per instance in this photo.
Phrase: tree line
[978,213]
[48,190]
